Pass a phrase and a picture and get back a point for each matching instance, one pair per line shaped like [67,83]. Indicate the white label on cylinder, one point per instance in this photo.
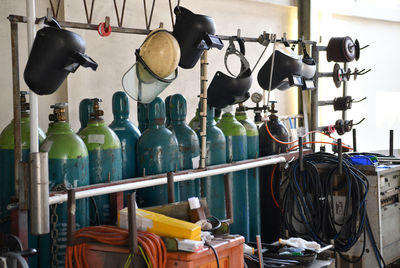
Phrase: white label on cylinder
[96,138]
[196,162]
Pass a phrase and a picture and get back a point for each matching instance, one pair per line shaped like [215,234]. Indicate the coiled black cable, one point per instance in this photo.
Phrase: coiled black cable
[309,207]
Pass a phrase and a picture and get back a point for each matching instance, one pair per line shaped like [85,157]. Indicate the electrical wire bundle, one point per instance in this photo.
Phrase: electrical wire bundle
[151,246]
[309,209]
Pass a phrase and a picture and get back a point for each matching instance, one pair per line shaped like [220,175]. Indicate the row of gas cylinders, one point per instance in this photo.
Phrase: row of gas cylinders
[164,142]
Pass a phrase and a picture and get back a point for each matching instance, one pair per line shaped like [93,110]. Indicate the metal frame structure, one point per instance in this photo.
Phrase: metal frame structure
[20,209]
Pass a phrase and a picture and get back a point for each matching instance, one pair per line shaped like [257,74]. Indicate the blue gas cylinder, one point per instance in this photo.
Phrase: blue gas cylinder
[253,174]
[68,168]
[189,150]
[7,174]
[157,152]
[142,116]
[85,109]
[213,187]
[127,133]
[105,163]
[236,150]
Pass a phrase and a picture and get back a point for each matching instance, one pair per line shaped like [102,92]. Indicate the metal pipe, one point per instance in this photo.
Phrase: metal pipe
[134,184]
[71,226]
[259,250]
[328,74]
[391,143]
[354,140]
[171,187]
[203,108]
[344,113]
[314,95]
[39,194]
[301,158]
[16,103]
[132,227]
[340,155]
[228,197]
[324,103]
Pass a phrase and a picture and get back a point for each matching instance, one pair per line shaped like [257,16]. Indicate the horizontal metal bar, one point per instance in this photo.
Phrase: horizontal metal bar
[143,182]
[85,26]
[323,103]
[329,74]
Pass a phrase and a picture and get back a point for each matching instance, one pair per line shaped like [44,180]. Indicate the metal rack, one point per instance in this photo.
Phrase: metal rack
[20,209]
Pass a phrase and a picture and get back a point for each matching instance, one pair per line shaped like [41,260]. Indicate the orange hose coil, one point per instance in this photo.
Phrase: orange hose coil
[152,244]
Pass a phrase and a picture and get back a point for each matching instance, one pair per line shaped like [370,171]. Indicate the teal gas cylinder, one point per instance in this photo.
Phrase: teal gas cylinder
[7,167]
[236,150]
[167,112]
[270,214]
[213,187]
[85,109]
[127,133]
[105,163]
[253,174]
[195,122]
[157,152]
[142,116]
[68,168]
[189,150]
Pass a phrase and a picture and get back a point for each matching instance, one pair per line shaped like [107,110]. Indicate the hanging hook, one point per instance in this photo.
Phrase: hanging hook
[354,101]
[355,124]
[364,47]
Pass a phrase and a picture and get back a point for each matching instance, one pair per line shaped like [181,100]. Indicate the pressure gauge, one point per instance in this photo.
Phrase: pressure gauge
[256,97]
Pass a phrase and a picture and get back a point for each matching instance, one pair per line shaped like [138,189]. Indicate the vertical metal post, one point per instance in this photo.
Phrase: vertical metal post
[71,227]
[171,187]
[228,197]
[203,108]
[354,140]
[116,204]
[132,227]
[340,155]
[314,95]
[301,158]
[344,113]
[391,143]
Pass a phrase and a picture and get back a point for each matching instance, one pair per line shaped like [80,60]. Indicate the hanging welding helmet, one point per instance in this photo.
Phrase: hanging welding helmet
[287,70]
[55,53]
[194,33]
[227,90]
[309,69]
[155,68]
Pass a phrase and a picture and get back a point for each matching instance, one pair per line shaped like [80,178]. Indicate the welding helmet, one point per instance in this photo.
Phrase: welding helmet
[194,33]
[227,90]
[55,53]
[309,66]
[287,65]
[155,68]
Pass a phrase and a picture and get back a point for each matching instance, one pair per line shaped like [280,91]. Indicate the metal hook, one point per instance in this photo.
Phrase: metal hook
[354,101]
[364,47]
[238,33]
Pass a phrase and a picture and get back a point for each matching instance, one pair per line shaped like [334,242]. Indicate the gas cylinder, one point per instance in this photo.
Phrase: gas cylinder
[85,109]
[68,168]
[7,189]
[236,150]
[142,116]
[189,150]
[127,133]
[213,187]
[105,164]
[195,122]
[167,113]
[270,214]
[253,174]
[157,152]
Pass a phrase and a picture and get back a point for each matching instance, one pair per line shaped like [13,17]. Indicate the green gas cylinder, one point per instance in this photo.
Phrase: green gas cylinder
[189,150]
[195,122]
[7,189]
[142,116]
[105,164]
[253,174]
[85,109]
[68,168]
[157,152]
[236,150]
[213,187]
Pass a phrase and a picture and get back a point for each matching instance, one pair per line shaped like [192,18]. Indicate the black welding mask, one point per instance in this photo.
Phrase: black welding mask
[287,70]
[194,33]
[225,90]
[55,53]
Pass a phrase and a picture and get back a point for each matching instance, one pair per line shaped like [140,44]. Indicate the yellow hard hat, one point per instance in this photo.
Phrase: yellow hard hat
[161,53]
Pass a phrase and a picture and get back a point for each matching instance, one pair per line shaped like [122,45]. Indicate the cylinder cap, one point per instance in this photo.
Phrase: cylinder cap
[85,109]
[178,107]
[167,108]
[120,105]
[157,111]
